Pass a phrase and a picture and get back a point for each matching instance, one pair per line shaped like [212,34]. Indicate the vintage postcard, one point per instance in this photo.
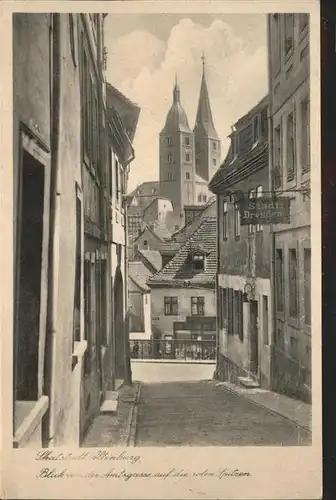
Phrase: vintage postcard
[161,265]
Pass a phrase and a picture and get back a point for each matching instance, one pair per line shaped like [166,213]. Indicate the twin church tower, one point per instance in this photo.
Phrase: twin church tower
[188,158]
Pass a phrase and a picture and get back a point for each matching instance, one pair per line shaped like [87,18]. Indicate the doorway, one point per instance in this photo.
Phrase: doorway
[254,344]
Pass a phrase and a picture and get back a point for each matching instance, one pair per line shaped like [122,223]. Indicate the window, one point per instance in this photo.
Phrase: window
[225,220]
[265,320]
[305,135]
[187,141]
[90,115]
[73,39]
[280,339]
[214,161]
[230,311]
[291,167]
[145,244]
[307,285]
[214,146]
[110,174]
[294,347]
[187,156]
[289,33]
[117,179]
[256,129]
[251,226]
[169,141]
[28,292]
[238,314]
[236,221]
[279,277]
[235,145]
[170,158]
[87,311]
[171,176]
[171,306]
[198,261]
[304,20]
[277,173]
[199,197]
[223,304]
[259,227]
[188,176]
[197,306]
[276,43]
[263,123]
[293,283]
[204,198]
[78,272]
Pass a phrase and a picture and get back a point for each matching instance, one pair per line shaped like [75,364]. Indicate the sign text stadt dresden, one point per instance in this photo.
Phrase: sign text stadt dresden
[265,211]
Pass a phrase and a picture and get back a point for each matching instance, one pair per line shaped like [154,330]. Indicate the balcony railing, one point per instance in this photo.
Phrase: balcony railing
[187,350]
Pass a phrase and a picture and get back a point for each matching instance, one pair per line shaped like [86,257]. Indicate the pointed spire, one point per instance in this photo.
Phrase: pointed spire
[176,93]
[204,114]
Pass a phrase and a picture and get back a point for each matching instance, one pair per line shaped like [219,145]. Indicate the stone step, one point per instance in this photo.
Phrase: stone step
[110,404]
[248,383]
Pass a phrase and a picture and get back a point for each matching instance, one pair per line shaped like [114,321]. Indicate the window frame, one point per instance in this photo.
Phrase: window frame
[199,303]
[259,194]
[171,306]
[291,147]
[236,214]
[293,283]
[279,278]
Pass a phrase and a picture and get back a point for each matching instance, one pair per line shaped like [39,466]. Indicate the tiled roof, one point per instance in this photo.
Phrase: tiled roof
[161,230]
[168,247]
[179,270]
[250,158]
[183,233]
[153,257]
[139,274]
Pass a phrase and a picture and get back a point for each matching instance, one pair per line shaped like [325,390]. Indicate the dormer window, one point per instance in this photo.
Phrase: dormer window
[198,261]
[256,129]
[235,146]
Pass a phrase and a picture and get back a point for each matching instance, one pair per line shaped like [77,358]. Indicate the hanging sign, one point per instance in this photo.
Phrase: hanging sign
[265,210]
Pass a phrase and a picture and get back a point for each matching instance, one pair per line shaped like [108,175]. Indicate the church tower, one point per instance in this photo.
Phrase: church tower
[207,142]
[177,160]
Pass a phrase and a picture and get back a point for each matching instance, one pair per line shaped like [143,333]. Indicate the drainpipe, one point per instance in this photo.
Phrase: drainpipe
[128,370]
[54,228]
[270,170]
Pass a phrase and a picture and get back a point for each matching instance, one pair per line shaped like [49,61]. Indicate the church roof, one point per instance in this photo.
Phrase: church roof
[177,118]
[204,115]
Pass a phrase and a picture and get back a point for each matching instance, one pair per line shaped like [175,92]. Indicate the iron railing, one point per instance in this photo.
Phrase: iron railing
[188,350]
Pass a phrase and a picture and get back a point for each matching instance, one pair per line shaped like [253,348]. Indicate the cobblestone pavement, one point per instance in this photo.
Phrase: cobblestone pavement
[113,430]
[203,414]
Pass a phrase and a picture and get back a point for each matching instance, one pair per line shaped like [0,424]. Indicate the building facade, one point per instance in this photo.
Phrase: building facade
[243,281]
[65,249]
[289,89]
[183,292]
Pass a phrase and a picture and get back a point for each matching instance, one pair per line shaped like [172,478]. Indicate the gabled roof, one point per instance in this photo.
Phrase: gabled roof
[147,228]
[139,274]
[179,271]
[204,118]
[208,210]
[153,257]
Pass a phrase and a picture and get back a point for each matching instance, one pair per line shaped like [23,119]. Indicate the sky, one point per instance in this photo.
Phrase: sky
[145,51]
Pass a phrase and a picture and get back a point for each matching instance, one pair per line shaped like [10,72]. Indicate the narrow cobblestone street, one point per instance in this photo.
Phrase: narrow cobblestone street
[203,414]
